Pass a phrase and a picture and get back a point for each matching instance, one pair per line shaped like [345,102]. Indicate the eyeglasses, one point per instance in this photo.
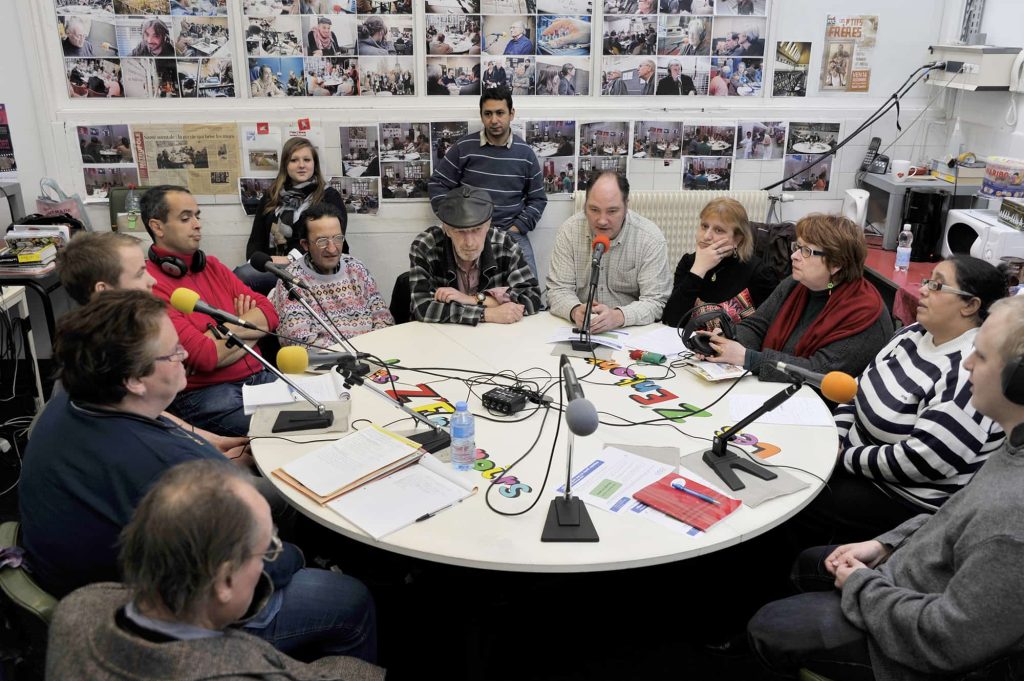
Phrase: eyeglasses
[178,355]
[337,240]
[805,251]
[275,550]
[937,286]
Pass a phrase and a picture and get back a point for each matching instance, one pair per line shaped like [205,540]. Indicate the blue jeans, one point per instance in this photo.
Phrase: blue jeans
[524,245]
[218,408]
[809,630]
[260,282]
[321,613]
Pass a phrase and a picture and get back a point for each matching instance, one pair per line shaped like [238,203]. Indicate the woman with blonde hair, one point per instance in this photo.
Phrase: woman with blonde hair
[279,226]
[825,317]
[723,272]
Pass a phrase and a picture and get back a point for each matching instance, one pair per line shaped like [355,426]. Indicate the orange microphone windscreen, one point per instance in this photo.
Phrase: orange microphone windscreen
[839,386]
[292,359]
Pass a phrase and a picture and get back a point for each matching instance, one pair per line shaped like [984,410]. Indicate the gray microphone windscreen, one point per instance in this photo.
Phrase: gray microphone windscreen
[581,417]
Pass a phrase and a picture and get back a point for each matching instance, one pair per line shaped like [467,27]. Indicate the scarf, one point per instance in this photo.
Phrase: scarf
[323,43]
[851,309]
[291,204]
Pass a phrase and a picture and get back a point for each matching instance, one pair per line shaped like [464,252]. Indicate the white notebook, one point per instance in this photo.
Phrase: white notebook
[399,500]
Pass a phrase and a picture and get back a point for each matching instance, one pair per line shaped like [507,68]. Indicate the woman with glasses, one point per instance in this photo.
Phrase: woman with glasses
[825,317]
[344,291]
[723,271]
[911,438]
[279,220]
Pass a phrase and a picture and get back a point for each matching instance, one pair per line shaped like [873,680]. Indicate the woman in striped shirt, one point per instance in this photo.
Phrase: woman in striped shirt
[911,438]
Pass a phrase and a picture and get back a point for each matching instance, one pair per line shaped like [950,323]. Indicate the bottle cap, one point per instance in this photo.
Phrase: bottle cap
[461,406]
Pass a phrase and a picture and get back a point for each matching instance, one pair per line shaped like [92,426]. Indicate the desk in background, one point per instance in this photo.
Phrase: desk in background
[895,198]
[470,535]
[900,290]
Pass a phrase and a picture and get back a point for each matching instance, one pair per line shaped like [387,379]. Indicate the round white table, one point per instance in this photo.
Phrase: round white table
[811,147]
[545,148]
[469,534]
[718,145]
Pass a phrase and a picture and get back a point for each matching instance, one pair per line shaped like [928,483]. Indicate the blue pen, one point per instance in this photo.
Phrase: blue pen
[680,484]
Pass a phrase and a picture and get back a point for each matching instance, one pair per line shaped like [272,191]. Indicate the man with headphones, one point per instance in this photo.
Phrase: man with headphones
[212,399]
[940,594]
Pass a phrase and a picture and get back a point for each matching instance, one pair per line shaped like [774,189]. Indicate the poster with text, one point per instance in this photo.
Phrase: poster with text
[846,60]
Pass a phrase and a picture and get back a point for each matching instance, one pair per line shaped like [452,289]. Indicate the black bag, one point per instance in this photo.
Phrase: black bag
[773,244]
[75,224]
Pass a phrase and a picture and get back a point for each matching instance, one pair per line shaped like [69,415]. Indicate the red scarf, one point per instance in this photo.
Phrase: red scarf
[851,309]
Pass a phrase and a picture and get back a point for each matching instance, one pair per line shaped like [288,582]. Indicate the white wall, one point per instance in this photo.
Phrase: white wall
[43,118]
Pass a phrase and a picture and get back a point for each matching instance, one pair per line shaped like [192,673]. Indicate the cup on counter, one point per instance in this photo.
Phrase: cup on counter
[901,170]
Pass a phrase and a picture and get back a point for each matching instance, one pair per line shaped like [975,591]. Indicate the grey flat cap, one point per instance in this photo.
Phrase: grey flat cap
[465,207]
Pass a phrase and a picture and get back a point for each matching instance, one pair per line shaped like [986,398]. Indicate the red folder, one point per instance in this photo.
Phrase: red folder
[691,510]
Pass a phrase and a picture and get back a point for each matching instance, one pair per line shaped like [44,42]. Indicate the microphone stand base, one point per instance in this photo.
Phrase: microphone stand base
[432,440]
[568,521]
[583,346]
[289,421]
[723,464]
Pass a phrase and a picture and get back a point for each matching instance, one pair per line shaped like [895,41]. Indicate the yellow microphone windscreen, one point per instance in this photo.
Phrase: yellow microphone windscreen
[292,359]
[839,386]
[184,300]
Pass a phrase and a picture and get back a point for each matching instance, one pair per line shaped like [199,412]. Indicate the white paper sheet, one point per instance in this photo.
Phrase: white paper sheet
[796,411]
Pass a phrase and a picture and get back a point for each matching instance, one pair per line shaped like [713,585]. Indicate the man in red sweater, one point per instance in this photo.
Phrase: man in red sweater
[212,399]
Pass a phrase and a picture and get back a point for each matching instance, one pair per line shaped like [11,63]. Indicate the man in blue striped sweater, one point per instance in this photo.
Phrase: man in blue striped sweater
[500,162]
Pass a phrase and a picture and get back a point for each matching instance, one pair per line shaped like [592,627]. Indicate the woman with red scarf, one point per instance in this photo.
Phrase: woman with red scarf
[826,317]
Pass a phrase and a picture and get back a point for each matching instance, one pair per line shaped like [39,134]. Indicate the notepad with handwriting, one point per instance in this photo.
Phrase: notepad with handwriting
[349,463]
[400,499]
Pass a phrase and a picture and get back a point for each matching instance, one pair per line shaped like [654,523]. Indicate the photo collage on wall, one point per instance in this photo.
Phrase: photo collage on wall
[806,142]
[790,73]
[107,158]
[329,48]
[146,48]
[554,142]
[359,182]
[683,47]
[532,47]
[404,160]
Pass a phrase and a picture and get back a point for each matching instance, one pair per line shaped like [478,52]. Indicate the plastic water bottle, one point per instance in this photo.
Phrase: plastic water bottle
[463,437]
[903,249]
[131,206]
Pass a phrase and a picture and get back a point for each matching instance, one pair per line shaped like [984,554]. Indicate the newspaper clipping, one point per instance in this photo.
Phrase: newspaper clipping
[204,158]
[846,62]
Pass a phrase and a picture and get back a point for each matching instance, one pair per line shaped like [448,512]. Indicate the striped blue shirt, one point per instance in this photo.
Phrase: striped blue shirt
[511,174]
[912,427]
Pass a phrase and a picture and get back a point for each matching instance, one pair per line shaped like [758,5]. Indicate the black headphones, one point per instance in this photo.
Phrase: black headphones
[174,266]
[1013,380]
[699,343]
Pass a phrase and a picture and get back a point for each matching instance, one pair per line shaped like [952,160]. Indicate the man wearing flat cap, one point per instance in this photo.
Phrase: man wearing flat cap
[465,271]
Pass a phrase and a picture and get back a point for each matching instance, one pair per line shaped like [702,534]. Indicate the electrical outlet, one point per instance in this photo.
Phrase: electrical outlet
[971,68]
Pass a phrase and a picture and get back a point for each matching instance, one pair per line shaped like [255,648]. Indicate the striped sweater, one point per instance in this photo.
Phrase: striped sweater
[510,173]
[912,427]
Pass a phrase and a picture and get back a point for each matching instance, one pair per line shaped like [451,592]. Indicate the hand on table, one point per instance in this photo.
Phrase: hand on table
[506,313]
[575,32]
[602,317]
[447,294]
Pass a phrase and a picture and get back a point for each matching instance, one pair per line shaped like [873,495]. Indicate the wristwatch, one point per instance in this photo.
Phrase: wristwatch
[480,297]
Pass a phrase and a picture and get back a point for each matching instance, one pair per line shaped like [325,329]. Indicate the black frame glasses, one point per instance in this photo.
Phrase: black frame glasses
[805,251]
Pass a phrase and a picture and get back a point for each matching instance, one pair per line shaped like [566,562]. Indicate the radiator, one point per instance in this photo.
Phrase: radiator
[677,213]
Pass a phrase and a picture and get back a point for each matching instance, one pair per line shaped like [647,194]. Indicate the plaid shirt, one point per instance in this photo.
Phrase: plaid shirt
[432,266]
[635,275]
